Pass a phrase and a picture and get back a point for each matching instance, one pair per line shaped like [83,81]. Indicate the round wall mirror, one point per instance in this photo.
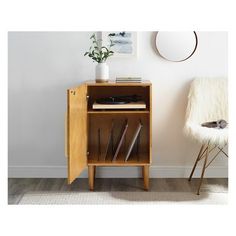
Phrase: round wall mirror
[176,46]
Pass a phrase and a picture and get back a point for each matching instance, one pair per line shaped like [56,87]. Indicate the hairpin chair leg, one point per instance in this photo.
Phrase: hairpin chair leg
[203,169]
[195,164]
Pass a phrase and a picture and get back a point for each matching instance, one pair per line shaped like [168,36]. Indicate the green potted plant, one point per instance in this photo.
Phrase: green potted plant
[100,54]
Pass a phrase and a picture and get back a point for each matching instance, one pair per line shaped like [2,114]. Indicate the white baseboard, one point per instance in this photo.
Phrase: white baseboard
[116,172]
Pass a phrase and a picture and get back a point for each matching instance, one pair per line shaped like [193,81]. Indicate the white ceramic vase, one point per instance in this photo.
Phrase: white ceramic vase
[102,72]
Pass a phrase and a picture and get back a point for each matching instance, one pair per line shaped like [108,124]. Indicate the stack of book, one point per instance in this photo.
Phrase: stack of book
[128,79]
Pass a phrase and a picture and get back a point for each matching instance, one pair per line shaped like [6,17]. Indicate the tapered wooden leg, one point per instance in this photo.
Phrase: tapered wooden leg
[91,172]
[195,164]
[146,177]
[203,170]
[95,169]
[142,172]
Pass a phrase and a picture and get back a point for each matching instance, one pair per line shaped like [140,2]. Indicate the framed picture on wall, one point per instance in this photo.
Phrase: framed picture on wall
[125,42]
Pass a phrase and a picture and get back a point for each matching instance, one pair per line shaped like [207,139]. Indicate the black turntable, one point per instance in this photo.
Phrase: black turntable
[119,99]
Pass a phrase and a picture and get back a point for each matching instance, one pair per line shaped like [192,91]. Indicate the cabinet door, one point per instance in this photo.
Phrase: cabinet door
[76,131]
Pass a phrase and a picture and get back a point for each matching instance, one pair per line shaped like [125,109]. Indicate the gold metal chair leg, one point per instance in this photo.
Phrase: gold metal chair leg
[195,164]
[203,170]
[204,153]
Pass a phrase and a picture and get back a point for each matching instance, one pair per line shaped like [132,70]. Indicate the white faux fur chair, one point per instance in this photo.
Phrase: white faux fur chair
[207,101]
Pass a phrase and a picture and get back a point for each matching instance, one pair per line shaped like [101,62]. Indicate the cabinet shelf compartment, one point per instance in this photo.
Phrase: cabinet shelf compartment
[108,91]
[99,131]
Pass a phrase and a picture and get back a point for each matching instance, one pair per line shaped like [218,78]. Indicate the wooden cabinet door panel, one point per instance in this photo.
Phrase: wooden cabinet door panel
[76,131]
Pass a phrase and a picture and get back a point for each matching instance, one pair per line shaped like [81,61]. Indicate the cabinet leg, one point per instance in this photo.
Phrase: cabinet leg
[91,173]
[146,177]
[95,172]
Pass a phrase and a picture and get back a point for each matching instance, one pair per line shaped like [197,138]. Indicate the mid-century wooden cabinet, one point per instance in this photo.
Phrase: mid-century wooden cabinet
[84,124]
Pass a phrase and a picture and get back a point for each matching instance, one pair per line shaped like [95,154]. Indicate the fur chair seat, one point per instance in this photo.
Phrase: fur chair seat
[207,101]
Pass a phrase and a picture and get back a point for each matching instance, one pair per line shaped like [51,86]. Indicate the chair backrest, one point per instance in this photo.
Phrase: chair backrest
[207,100]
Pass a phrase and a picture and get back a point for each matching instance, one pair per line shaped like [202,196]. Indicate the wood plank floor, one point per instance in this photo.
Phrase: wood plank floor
[17,187]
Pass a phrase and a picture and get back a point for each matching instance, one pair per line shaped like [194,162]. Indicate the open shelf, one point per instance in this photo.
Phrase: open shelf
[109,91]
[99,131]
[118,112]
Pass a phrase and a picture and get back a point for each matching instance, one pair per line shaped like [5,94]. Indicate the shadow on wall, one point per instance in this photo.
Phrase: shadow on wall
[153,44]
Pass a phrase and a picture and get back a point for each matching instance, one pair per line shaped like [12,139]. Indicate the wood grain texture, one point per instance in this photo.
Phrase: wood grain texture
[77,131]
[66,136]
[150,124]
[85,125]
[134,160]
[91,172]
[146,177]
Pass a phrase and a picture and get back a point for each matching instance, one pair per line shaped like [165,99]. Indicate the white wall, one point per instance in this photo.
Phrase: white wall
[43,65]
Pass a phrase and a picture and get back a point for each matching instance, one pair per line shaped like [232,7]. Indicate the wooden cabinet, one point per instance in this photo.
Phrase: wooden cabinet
[88,131]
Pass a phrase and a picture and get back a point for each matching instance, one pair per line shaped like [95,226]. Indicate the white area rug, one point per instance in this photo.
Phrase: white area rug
[44,198]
